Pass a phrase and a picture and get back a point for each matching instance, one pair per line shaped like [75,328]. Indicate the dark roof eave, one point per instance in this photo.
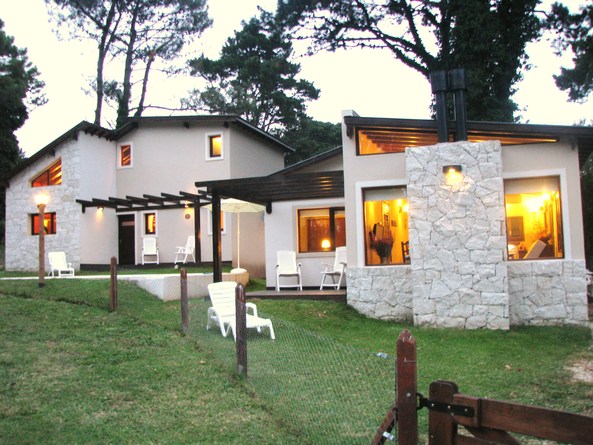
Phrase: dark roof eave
[580,135]
[219,118]
[83,126]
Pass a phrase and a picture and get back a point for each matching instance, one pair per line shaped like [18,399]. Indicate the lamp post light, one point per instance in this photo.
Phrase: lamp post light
[41,199]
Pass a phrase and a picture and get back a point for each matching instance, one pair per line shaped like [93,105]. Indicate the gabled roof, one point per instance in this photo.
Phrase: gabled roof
[328,154]
[83,126]
[424,132]
[136,122]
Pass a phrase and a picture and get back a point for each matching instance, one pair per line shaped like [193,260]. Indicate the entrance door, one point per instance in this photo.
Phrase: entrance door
[126,235]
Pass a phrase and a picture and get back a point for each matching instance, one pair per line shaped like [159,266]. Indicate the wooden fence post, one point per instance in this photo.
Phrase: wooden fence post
[407,384]
[441,428]
[184,303]
[241,329]
[113,300]
[403,415]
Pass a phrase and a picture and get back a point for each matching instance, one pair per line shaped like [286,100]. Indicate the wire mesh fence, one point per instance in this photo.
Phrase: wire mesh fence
[325,391]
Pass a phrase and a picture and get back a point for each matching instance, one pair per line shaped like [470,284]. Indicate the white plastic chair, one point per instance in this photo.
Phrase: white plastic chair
[223,314]
[185,251]
[287,267]
[336,270]
[150,249]
[59,266]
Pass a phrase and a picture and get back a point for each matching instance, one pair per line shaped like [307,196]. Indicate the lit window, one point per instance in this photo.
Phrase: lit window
[214,146]
[321,229]
[534,218]
[150,223]
[386,225]
[49,222]
[51,176]
[125,155]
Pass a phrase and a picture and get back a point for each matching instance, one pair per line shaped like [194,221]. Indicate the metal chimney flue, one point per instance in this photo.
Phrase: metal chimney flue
[438,83]
[458,85]
[443,82]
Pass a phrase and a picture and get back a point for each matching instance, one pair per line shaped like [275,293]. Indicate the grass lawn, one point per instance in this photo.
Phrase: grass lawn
[70,372]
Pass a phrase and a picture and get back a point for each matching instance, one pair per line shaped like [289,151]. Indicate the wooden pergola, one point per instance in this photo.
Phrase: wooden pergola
[282,186]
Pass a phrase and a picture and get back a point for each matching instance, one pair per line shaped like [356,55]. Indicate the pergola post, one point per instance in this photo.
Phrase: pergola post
[198,231]
[216,238]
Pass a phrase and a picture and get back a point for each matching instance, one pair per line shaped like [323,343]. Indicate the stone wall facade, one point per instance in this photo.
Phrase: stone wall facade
[547,292]
[381,292]
[457,236]
[20,203]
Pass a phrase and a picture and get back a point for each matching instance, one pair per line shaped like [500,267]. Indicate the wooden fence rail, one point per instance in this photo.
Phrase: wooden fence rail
[484,421]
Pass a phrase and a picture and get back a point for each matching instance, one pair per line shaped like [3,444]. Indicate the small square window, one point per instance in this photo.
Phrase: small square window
[49,222]
[125,155]
[214,146]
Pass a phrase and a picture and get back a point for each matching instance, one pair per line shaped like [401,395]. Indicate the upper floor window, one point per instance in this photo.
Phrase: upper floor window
[150,223]
[386,225]
[214,146]
[50,176]
[321,230]
[124,155]
[49,223]
[534,218]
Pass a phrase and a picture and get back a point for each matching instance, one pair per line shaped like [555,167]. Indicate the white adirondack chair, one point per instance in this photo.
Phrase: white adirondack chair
[287,267]
[185,251]
[222,312]
[336,270]
[59,266]
[150,250]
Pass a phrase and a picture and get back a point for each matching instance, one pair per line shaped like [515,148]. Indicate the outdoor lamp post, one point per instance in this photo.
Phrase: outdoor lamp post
[41,199]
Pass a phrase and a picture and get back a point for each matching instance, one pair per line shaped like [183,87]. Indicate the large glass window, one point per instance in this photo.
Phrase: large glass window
[534,218]
[386,226]
[321,230]
[51,176]
[49,222]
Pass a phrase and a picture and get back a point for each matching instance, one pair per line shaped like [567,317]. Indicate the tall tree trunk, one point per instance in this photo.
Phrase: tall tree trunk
[123,109]
[151,58]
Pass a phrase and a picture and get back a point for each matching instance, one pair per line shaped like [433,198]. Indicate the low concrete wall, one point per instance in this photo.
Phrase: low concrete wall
[168,287]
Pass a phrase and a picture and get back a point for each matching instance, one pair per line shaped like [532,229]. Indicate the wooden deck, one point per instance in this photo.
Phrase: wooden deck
[305,294]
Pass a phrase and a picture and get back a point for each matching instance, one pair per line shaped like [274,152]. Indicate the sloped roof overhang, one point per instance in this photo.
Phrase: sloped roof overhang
[509,133]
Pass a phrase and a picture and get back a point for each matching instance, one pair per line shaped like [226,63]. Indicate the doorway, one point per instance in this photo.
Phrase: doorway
[126,235]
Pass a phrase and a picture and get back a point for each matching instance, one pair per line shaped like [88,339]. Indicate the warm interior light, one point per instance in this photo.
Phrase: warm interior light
[41,199]
[325,244]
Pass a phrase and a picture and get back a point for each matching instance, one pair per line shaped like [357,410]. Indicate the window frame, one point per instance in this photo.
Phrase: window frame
[208,143]
[120,146]
[332,211]
[48,216]
[46,172]
[360,220]
[564,206]
[145,215]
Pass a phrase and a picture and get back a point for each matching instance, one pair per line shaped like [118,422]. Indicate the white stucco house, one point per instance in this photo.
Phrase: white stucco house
[484,233]
[109,189]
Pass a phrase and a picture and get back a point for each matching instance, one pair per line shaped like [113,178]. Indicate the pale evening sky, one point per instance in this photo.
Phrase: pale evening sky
[370,82]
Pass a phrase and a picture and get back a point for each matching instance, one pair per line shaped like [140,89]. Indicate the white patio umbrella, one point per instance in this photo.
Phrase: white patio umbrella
[232,205]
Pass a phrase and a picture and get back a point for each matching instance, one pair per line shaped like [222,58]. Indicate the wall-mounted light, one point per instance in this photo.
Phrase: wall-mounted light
[452,169]
[100,208]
